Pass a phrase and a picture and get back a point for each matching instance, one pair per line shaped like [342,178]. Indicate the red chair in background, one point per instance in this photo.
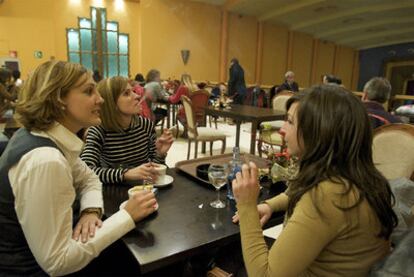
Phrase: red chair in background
[199,100]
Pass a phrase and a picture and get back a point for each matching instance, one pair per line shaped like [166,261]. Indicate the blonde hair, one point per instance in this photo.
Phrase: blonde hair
[110,90]
[40,100]
[188,82]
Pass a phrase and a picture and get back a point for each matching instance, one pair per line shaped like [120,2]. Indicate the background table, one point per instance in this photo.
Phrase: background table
[184,225]
[251,114]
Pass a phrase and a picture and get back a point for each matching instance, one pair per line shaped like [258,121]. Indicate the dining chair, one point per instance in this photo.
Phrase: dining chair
[393,150]
[199,100]
[199,134]
[269,131]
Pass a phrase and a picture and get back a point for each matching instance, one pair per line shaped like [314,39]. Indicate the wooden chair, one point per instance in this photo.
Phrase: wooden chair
[199,100]
[269,131]
[393,150]
[196,133]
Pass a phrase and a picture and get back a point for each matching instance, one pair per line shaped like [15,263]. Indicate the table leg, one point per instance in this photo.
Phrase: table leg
[174,120]
[203,147]
[253,137]
[168,115]
[238,123]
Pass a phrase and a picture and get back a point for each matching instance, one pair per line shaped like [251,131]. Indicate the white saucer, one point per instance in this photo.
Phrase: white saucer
[124,203]
[164,181]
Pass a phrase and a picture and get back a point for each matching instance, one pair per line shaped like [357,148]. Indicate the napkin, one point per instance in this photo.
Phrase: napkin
[273,232]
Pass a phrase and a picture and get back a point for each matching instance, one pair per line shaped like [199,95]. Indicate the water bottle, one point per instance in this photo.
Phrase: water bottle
[234,166]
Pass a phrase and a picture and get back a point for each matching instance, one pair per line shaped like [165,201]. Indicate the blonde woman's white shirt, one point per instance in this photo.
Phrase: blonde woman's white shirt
[45,183]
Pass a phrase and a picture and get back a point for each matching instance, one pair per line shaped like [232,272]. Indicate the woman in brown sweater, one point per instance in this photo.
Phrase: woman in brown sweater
[338,208]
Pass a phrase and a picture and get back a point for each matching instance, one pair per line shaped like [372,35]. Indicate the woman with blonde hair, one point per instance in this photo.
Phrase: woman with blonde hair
[124,146]
[339,215]
[186,88]
[42,175]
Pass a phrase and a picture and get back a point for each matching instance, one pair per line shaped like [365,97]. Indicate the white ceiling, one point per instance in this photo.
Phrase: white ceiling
[356,23]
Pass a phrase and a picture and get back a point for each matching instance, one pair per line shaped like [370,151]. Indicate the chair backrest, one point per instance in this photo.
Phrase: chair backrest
[190,116]
[248,98]
[279,101]
[199,100]
[393,150]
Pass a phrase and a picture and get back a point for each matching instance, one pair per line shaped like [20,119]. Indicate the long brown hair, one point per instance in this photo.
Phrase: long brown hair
[336,144]
[110,90]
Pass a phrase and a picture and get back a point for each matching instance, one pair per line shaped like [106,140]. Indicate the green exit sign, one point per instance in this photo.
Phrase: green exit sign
[38,54]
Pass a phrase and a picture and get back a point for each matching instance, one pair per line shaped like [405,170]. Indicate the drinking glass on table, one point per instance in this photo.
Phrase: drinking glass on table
[217,174]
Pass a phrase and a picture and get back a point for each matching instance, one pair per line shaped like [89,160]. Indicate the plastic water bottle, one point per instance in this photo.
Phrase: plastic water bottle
[234,166]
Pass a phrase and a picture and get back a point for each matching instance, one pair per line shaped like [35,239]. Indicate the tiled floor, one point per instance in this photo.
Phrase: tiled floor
[178,151]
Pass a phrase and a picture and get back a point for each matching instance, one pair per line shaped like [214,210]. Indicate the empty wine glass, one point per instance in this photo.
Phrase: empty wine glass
[217,174]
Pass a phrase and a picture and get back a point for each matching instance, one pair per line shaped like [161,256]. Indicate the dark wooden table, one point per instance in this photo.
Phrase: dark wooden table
[184,225]
[251,114]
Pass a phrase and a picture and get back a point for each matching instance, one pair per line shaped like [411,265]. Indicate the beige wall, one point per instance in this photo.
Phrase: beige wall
[325,60]
[275,47]
[242,43]
[343,63]
[302,58]
[160,29]
[173,25]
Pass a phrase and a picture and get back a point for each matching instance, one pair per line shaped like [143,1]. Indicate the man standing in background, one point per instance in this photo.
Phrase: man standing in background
[236,83]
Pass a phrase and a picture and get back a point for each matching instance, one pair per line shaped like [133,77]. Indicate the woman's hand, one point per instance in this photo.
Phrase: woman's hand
[142,172]
[164,142]
[265,212]
[246,187]
[86,226]
[141,204]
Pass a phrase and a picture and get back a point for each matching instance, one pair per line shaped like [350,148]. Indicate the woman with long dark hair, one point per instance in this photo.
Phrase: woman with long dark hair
[339,213]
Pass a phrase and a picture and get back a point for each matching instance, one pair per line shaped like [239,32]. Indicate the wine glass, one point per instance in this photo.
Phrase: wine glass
[217,174]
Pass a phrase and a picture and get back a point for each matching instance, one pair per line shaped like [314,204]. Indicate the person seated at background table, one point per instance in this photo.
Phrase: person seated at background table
[339,213]
[288,84]
[186,88]
[145,110]
[218,91]
[97,77]
[42,174]
[16,78]
[124,146]
[329,79]
[8,93]
[155,93]
[139,78]
[377,91]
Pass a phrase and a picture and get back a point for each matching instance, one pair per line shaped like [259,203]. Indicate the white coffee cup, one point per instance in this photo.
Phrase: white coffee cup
[161,170]
[134,190]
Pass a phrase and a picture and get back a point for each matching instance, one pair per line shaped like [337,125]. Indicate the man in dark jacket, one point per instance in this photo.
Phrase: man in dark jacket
[377,91]
[236,84]
[289,83]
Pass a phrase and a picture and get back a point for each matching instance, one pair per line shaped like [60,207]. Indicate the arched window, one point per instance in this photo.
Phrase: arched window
[98,45]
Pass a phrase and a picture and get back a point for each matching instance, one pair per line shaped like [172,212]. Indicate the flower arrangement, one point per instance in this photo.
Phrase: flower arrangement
[282,166]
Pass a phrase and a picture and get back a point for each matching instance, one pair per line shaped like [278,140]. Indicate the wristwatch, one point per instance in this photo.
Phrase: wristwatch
[97,211]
